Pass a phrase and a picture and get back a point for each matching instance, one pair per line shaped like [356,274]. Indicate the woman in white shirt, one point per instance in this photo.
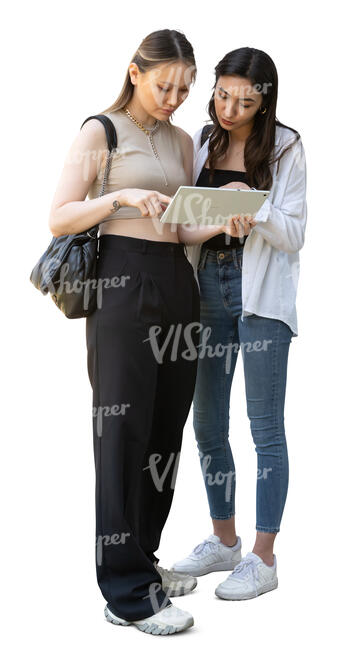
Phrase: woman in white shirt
[247,272]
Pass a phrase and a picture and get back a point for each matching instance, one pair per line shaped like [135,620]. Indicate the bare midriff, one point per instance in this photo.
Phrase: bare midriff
[143,228]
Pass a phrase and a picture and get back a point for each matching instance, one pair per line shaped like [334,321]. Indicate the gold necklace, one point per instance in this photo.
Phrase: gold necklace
[149,133]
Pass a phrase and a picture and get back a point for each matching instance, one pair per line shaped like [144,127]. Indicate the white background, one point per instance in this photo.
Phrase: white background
[61,63]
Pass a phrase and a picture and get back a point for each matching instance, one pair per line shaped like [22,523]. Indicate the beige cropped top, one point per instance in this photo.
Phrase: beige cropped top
[134,164]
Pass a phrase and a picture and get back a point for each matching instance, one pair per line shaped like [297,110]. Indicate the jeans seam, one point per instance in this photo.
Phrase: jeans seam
[283,433]
[275,405]
[275,379]
[224,432]
[221,410]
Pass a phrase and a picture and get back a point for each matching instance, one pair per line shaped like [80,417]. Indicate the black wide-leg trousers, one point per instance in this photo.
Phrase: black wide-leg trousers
[142,354]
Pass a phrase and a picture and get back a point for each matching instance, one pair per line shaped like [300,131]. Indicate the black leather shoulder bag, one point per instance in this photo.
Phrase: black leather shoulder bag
[67,269]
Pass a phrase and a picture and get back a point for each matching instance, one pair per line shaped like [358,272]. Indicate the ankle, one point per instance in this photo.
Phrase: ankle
[228,541]
[267,557]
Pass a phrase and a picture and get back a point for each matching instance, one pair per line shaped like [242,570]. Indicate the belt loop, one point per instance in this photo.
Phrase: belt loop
[235,258]
[203,258]
[144,245]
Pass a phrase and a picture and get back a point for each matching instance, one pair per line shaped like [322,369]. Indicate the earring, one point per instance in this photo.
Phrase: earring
[262,112]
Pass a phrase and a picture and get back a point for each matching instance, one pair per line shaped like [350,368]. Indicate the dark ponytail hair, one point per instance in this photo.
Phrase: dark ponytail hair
[259,69]
[162,46]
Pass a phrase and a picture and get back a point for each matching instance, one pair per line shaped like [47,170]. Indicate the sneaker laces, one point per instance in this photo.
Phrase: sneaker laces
[161,570]
[249,567]
[206,545]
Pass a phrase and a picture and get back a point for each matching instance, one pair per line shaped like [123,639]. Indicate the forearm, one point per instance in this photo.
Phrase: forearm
[283,230]
[284,227]
[77,216]
[197,234]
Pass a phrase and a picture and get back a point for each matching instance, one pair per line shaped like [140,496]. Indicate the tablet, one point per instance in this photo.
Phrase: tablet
[212,205]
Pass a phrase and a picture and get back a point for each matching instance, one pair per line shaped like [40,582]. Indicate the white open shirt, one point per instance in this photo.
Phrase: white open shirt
[270,258]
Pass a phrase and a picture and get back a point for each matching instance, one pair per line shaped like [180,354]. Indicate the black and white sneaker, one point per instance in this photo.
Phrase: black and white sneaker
[168,620]
[176,584]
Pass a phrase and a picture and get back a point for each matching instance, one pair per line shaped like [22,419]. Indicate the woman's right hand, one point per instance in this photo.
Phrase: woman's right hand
[149,202]
[236,226]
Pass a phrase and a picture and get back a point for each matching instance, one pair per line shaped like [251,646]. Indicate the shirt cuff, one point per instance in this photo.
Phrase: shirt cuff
[263,213]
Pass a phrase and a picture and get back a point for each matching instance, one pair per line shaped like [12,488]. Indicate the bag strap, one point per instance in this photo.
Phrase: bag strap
[112,143]
[112,139]
[205,133]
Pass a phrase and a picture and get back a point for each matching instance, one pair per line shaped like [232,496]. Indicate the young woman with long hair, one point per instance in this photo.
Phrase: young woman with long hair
[141,399]
[247,275]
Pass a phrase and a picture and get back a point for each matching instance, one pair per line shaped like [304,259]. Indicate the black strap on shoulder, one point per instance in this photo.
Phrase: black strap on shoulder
[205,133]
[112,139]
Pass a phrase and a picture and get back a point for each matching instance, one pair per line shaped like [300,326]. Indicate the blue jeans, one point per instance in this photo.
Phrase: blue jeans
[264,343]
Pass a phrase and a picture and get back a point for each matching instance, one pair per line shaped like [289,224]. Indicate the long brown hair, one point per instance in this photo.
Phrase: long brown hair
[258,68]
[162,46]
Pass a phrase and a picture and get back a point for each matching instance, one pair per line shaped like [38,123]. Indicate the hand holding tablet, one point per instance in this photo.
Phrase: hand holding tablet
[212,205]
[236,226]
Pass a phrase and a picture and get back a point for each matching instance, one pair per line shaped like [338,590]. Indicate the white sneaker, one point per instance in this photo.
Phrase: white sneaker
[175,584]
[210,555]
[250,578]
[168,620]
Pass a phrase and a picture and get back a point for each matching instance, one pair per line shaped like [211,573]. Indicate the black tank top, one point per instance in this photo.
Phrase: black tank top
[221,177]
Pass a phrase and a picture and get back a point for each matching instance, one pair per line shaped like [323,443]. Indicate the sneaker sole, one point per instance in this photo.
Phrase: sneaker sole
[262,590]
[218,566]
[149,628]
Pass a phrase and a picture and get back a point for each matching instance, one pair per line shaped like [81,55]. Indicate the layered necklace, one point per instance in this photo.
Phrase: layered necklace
[149,133]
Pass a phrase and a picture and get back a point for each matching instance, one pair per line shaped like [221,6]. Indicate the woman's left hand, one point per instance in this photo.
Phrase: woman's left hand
[244,219]
[236,227]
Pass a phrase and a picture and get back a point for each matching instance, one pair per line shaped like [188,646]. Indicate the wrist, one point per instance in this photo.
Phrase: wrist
[122,197]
